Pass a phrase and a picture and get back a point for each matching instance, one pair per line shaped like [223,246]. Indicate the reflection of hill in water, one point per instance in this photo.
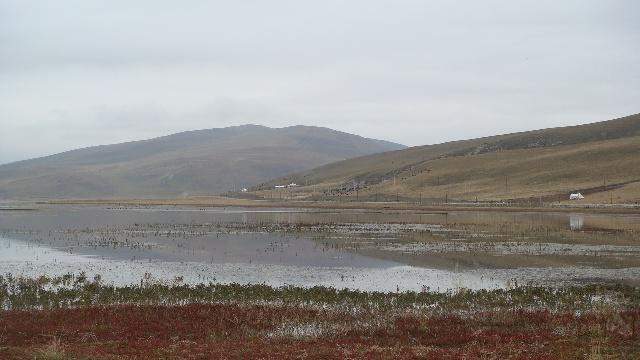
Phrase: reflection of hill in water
[316,246]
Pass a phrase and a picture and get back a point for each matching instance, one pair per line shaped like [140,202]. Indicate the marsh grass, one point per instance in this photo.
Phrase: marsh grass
[173,320]
[73,290]
[55,350]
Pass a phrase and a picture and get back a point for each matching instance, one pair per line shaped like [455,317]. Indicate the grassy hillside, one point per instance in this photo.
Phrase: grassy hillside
[600,159]
[194,162]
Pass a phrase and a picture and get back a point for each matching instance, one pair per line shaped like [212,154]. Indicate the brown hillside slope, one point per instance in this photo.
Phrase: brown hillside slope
[545,164]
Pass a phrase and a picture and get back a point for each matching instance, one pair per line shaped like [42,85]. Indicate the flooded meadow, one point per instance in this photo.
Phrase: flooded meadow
[355,249]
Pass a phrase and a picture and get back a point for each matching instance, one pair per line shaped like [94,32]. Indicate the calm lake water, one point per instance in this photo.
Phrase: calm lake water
[386,251]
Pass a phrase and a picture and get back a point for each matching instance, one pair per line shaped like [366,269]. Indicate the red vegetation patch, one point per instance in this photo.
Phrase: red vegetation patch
[214,331]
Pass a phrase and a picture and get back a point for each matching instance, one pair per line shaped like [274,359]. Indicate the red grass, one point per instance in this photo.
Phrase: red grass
[215,331]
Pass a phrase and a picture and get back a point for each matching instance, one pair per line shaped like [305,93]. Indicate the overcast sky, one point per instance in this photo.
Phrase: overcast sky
[80,73]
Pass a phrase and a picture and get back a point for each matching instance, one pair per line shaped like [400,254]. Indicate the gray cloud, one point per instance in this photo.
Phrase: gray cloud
[77,73]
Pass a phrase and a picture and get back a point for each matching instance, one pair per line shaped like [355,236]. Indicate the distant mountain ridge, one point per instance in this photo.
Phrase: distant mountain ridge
[192,162]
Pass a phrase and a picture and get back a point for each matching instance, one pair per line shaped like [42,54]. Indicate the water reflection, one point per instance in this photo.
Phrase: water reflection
[576,222]
[376,250]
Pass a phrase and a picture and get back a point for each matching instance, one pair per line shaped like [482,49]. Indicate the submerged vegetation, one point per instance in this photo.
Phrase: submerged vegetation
[74,317]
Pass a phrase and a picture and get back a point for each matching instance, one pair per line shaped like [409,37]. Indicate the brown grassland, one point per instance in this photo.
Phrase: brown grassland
[345,203]
[605,172]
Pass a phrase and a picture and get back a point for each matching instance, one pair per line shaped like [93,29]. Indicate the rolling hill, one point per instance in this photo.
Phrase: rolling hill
[194,162]
[600,159]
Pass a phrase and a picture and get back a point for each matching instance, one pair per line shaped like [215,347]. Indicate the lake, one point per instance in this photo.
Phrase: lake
[356,249]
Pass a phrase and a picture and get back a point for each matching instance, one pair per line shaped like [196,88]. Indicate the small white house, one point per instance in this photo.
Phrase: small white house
[244,190]
[576,196]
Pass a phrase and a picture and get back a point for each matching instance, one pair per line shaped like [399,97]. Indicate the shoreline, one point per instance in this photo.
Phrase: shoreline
[380,206]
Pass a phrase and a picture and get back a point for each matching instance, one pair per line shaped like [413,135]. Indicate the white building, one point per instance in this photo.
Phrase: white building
[576,196]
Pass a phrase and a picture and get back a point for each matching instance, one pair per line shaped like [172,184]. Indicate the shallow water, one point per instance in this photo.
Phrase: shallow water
[386,251]
[23,258]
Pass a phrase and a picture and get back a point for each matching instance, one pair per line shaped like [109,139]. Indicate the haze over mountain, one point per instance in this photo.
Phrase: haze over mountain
[194,162]
[594,158]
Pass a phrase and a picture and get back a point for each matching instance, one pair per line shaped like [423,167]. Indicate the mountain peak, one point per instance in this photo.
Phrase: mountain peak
[204,161]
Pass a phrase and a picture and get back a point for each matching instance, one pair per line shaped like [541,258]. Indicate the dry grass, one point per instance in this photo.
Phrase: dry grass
[216,201]
[55,350]
[541,174]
